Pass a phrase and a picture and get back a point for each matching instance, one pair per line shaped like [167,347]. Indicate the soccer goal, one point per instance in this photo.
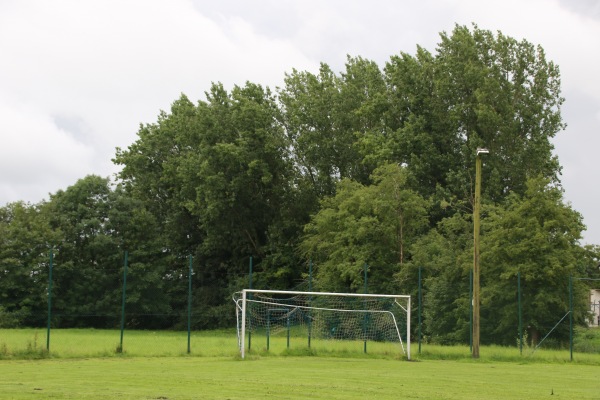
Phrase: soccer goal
[322,316]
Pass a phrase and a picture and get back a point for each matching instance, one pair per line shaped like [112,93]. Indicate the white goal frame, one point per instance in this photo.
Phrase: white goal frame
[244,299]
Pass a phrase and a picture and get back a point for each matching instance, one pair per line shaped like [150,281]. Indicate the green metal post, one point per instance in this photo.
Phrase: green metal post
[123,301]
[310,268]
[419,310]
[520,313]
[189,348]
[288,332]
[571,315]
[250,274]
[250,297]
[268,328]
[49,299]
[366,316]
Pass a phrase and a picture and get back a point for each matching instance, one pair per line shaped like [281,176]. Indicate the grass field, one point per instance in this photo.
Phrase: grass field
[84,364]
[292,378]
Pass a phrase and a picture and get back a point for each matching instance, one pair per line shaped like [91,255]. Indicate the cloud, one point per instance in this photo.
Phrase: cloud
[78,77]
[87,73]
[35,153]
[569,35]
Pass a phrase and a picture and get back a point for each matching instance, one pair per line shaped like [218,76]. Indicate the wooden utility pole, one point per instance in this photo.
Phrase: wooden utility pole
[476,217]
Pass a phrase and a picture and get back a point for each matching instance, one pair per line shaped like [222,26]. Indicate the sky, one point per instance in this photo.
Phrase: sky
[78,77]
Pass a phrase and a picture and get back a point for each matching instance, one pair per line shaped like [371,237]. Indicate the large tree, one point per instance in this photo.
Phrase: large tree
[239,173]
[26,239]
[219,175]
[445,255]
[430,112]
[360,225]
[87,260]
[97,225]
[536,235]
[478,89]
[328,119]
[155,171]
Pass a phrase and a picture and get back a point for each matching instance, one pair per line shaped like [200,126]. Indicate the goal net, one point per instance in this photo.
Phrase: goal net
[322,316]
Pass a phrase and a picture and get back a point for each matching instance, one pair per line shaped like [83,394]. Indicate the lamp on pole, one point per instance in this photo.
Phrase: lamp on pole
[476,212]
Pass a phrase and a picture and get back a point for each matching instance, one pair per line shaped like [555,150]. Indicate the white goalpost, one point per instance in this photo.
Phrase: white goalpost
[322,316]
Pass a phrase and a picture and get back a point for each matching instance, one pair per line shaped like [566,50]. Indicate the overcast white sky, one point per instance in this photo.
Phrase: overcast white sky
[78,77]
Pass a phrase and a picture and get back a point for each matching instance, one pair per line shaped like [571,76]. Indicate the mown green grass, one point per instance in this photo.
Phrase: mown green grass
[85,364]
[587,340]
[291,378]
[81,343]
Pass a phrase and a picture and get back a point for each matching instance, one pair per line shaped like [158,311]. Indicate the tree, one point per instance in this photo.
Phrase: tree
[479,89]
[97,225]
[537,235]
[88,257]
[244,192]
[418,135]
[26,239]
[365,225]
[218,174]
[239,173]
[156,171]
[325,117]
[157,279]
[446,257]
[498,93]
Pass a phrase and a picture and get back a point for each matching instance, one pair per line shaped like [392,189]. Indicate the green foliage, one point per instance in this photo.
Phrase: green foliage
[361,225]
[536,235]
[587,340]
[9,319]
[25,241]
[446,255]
[315,121]
[477,90]
[370,166]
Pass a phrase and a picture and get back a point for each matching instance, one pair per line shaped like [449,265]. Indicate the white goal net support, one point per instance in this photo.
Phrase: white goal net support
[322,316]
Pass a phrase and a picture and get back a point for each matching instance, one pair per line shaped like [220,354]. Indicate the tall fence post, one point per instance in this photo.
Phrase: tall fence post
[365,321]
[571,315]
[310,268]
[50,266]
[419,299]
[123,302]
[249,287]
[520,313]
[189,306]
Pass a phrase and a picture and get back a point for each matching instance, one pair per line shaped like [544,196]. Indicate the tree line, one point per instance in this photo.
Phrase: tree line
[373,165]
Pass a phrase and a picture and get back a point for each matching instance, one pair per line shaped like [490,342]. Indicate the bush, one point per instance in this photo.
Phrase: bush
[9,319]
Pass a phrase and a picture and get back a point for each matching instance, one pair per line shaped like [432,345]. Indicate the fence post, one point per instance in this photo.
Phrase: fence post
[189,306]
[520,313]
[123,302]
[366,316]
[310,270]
[249,287]
[49,299]
[571,315]
[419,295]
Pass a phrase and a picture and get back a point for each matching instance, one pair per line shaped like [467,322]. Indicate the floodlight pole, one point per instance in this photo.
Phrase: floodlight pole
[476,217]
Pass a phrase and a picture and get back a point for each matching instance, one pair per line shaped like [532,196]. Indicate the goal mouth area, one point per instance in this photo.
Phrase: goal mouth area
[322,315]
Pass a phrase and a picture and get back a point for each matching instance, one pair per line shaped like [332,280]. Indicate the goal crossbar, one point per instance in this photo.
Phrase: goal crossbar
[243,298]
